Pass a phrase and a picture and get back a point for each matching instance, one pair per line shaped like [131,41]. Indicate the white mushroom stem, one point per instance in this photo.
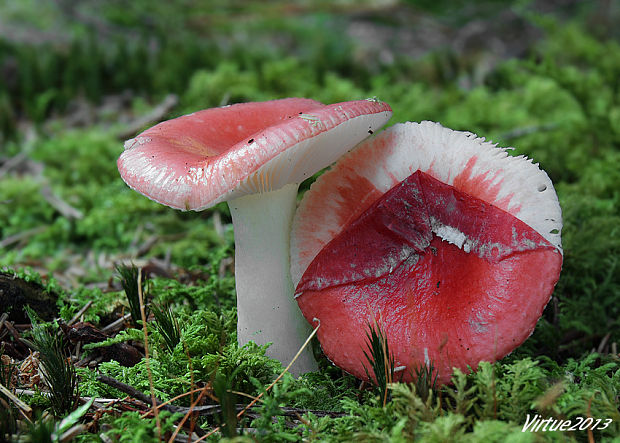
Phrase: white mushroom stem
[267,311]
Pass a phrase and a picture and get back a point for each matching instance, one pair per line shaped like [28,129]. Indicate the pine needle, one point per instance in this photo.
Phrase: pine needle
[58,371]
[167,325]
[380,360]
[131,281]
[146,353]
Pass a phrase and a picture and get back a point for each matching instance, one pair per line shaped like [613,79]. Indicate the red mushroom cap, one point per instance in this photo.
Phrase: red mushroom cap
[214,155]
[451,243]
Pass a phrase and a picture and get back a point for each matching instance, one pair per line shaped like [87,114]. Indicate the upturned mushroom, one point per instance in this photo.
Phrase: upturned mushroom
[453,244]
[253,155]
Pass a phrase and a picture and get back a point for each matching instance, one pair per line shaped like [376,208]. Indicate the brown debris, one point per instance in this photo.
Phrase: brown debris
[16,293]
[84,332]
[156,114]
[29,374]
[16,348]
[7,364]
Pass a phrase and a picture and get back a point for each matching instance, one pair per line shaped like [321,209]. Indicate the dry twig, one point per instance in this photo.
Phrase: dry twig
[156,114]
[24,409]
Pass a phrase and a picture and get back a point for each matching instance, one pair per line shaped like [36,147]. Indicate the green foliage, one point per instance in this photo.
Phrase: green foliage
[323,390]
[211,292]
[84,60]
[134,288]
[363,419]
[592,251]
[130,427]
[425,381]
[167,325]
[79,158]
[168,379]
[59,373]
[592,390]
[460,399]
[207,332]
[125,335]
[218,87]
[71,420]
[409,403]
[246,363]
[223,387]
[103,304]
[380,360]
[208,347]
[270,424]
[23,210]
[41,431]
[30,275]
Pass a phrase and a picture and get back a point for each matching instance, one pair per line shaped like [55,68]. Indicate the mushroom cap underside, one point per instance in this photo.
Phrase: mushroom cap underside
[200,159]
[452,278]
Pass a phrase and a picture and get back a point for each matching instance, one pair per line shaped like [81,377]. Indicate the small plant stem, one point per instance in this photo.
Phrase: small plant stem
[589,415]
[146,354]
[243,394]
[188,414]
[388,368]
[192,384]
[167,402]
[116,324]
[81,312]
[3,318]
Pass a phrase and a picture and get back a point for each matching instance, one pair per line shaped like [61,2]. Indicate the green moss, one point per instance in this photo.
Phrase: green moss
[22,208]
[132,428]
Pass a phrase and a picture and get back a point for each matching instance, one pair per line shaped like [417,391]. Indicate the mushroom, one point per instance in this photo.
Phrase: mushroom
[446,239]
[253,155]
